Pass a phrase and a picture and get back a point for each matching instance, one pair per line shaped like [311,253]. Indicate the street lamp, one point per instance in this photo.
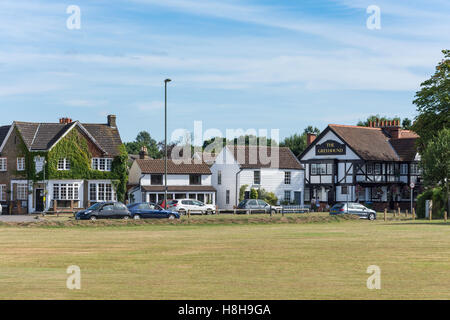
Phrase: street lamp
[165,142]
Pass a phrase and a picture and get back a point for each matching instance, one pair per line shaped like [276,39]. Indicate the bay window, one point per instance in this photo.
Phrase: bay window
[101,191]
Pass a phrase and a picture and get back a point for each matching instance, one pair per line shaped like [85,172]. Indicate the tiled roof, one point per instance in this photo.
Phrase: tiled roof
[375,144]
[286,159]
[179,188]
[405,148]
[3,132]
[157,166]
[42,136]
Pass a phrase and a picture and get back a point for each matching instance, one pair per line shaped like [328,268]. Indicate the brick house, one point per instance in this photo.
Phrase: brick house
[67,164]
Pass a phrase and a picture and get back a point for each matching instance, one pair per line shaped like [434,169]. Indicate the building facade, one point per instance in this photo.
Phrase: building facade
[236,167]
[184,180]
[374,165]
[70,165]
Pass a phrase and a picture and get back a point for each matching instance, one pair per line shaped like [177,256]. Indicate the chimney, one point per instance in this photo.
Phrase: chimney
[143,154]
[112,121]
[65,120]
[310,137]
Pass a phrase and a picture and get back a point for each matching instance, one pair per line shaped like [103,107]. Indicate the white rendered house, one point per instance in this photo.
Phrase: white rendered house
[273,169]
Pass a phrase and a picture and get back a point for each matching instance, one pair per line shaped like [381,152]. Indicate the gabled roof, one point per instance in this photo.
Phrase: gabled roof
[368,143]
[156,166]
[374,144]
[43,136]
[286,159]
[405,148]
[3,133]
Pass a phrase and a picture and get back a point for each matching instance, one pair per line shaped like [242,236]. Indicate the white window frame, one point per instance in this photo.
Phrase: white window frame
[66,191]
[287,199]
[102,164]
[287,177]
[404,169]
[20,163]
[63,164]
[3,195]
[254,177]
[104,191]
[21,191]
[3,164]
[378,170]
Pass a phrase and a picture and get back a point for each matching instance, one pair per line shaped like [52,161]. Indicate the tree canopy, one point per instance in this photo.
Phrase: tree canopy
[433,103]
[297,142]
[143,139]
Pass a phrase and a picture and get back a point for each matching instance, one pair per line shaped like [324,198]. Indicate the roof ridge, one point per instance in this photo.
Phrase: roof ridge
[353,126]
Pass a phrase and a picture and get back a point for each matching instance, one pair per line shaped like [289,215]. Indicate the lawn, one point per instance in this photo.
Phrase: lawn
[316,260]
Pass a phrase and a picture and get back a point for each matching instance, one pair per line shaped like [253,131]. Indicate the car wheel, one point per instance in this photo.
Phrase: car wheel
[182,212]
[171,217]
[93,218]
[371,216]
[137,217]
[125,217]
[209,212]
[273,211]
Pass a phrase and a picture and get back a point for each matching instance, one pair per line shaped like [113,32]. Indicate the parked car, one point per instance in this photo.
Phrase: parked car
[144,210]
[196,207]
[258,206]
[104,210]
[169,203]
[353,208]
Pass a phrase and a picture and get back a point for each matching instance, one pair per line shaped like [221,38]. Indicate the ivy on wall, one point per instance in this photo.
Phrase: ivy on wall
[74,147]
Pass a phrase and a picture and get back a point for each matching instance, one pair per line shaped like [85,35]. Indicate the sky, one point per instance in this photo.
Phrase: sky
[233,63]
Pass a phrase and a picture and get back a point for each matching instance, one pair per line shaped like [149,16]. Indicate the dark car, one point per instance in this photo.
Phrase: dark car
[144,210]
[104,210]
[353,208]
[258,206]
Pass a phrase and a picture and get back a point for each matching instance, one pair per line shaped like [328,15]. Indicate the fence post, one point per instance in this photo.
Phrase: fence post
[445,216]
[282,211]
[270,210]
[399,212]
[406,213]
[414,213]
[234,212]
[55,207]
[385,211]
[189,213]
[431,214]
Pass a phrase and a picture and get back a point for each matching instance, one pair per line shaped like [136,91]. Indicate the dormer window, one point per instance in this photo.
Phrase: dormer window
[63,164]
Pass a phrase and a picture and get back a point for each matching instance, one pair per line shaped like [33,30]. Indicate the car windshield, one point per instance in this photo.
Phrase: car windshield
[337,206]
[242,203]
[95,206]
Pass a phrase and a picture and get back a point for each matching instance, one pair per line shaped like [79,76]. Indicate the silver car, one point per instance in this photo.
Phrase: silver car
[353,208]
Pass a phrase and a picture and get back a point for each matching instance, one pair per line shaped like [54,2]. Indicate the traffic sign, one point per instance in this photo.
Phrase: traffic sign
[412,185]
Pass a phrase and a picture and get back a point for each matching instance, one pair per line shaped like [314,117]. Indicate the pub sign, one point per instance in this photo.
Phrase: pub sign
[330,147]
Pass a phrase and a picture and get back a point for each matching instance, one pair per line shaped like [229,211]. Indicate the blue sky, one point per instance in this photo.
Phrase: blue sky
[234,63]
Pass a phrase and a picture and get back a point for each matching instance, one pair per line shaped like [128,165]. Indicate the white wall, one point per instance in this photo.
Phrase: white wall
[272,180]
[175,180]
[227,165]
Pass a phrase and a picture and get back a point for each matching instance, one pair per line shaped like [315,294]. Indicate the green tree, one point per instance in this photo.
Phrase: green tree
[253,193]
[143,139]
[435,161]
[433,103]
[297,142]
[406,124]
[242,192]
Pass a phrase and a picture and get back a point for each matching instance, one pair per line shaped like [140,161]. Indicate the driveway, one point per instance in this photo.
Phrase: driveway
[18,218]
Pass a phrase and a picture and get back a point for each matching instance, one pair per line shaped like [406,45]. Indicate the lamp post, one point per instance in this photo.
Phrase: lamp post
[165,142]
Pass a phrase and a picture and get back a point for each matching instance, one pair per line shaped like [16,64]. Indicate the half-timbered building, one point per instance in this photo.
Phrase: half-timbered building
[374,165]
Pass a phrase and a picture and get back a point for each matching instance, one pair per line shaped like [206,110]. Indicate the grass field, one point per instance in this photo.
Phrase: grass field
[260,260]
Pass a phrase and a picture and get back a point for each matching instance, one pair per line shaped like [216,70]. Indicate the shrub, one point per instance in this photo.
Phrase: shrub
[437,196]
[253,193]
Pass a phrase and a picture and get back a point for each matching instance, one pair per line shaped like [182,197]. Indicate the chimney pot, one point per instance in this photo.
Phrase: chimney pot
[112,121]
[310,137]
[143,154]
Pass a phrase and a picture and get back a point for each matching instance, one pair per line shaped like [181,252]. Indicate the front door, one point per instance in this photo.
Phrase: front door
[298,197]
[39,200]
